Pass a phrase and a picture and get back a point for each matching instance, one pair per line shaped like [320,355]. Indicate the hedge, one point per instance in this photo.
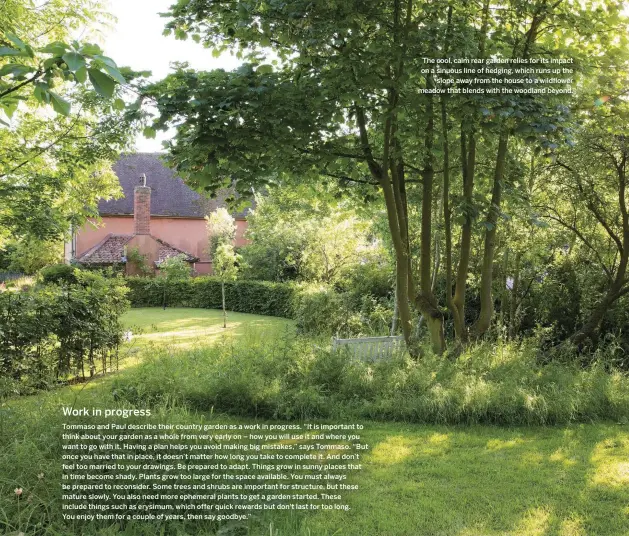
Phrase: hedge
[257,297]
[53,331]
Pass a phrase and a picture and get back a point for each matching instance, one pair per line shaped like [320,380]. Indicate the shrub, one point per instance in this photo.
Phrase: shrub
[59,274]
[53,330]
[319,309]
[32,254]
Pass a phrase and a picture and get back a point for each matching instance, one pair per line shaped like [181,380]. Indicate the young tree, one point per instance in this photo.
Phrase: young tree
[225,267]
[221,228]
[171,270]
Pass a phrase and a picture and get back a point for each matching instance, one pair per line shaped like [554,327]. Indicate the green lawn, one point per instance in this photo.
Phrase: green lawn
[416,480]
[182,329]
[478,481]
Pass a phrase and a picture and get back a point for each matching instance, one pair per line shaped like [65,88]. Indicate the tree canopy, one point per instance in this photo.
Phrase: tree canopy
[340,91]
[62,118]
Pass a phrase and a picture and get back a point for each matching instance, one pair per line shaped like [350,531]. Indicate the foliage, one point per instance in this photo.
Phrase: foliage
[54,170]
[339,91]
[175,268]
[304,233]
[225,263]
[30,255]
[257,297]
[139,261]
[221,228]
[55,330]
[60,274]
[170,270]
[38,58]
[318,309]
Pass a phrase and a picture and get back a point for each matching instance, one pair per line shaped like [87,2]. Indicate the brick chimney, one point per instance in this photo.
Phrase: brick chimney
[142,208]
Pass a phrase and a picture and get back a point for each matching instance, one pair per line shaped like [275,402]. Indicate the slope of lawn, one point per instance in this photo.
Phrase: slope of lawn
[154,328]
[416,480]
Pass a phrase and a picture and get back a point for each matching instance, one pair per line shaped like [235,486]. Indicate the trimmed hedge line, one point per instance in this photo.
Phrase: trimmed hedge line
[257,297]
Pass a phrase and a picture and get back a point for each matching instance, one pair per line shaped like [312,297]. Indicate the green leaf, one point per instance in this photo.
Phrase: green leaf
[115,74]
[16,69]
[265,68]
[38,93]
[90,50]
[106,60]
[6,51]
[57,48]
[103,85]
[74,60]
[16,41]
[9,107]
[59,104]
[119,105]
[81,75]
[149,132]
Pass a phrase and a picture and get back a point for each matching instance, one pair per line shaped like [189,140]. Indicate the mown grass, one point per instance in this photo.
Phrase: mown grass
[460,480]
[176,329]
[416,480]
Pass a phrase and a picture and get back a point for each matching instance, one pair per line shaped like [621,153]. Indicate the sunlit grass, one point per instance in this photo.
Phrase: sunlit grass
[416,480]
[185,328]
[483,481]
[154,329]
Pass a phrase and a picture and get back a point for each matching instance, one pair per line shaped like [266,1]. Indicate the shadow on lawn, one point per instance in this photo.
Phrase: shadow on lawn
[489,481]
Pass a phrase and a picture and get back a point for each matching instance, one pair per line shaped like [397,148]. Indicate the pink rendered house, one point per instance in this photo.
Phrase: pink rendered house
[162,219]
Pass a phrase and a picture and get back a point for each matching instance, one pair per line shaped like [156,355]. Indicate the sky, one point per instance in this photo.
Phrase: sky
[136,40]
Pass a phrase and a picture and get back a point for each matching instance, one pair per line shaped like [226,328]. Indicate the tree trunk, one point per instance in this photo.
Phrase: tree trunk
[618,289]
[381,173]
[486,297]
[468,163]
[425,300]
[504,295]
[224,310]
[513,305]
[395,313]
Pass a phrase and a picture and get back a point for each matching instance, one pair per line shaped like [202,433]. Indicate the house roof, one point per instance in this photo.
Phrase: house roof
[110,250]
[169,194]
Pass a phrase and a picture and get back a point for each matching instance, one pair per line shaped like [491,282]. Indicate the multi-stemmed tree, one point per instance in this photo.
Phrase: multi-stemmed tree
[344,90]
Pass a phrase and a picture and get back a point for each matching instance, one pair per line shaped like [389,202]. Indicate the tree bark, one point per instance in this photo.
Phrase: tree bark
[504,295]
[468,168]
[486,297]
[224,309]
[515,291]
[425,301]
